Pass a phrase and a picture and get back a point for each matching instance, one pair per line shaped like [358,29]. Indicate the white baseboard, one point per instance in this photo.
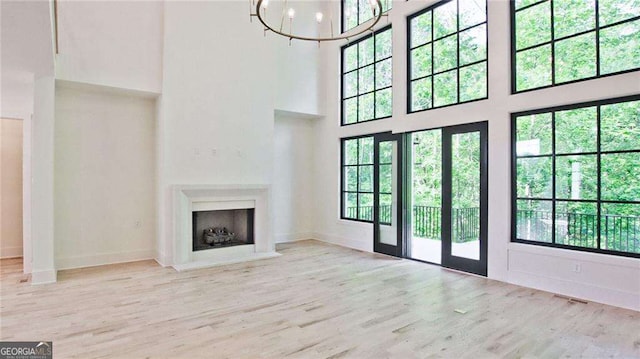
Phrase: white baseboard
[589,292]
[104,258]
[293,237]
[11,252]
[365,246]
[162,260]
[44,277]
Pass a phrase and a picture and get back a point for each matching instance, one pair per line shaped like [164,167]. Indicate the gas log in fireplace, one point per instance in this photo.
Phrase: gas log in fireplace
[222,228]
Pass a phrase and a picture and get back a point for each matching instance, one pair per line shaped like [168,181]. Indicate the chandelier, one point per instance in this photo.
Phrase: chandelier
[285,26]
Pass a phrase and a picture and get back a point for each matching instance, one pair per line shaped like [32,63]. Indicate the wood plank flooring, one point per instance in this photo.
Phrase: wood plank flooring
[315,301]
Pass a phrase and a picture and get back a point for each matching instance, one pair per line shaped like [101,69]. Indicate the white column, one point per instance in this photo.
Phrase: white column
[42,238]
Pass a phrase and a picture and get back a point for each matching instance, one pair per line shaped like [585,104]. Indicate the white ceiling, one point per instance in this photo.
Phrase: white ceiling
[26,37]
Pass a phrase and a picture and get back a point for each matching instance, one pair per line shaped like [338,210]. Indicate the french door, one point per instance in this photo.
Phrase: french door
[442,217]
[464,198]
[387,194]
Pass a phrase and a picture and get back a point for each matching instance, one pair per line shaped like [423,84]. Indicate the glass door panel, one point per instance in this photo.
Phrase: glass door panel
[464,202]
[465,195]
[387,177]
[426,196]
[387,194]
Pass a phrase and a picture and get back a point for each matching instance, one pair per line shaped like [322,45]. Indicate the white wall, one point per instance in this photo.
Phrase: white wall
[104,176]
[617,280]
[299,77]
[10,188]
[111,43]
[220,89]
[293,182]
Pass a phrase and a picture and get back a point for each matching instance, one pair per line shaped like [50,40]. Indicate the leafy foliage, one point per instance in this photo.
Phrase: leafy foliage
[427,168]
[580,166]
[357,172]
[356,12]
[565,33]
[448,52]
[367,78]
[427,184]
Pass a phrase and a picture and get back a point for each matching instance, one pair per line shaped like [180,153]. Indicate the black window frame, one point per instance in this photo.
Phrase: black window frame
[457,67]
[553,41]
[342,22]
[343,191]
[358,67]
[553,199]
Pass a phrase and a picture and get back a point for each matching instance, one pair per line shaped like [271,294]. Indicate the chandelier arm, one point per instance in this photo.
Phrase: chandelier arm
[374,22]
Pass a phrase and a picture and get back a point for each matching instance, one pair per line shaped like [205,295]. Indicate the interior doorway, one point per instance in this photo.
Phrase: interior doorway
[11,188]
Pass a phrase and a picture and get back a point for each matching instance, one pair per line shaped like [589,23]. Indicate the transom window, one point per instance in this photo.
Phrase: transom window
[366,78]
[356,12]
[447,54]
[575,178]
[556,42]
[357,178]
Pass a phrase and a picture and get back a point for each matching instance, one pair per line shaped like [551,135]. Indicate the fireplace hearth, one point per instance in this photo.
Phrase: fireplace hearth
[222,228]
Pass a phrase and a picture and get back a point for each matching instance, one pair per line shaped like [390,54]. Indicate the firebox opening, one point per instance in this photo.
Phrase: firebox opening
[222,228]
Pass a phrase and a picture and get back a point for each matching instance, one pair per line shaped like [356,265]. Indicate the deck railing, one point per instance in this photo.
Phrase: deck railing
[427,220]
[618,233]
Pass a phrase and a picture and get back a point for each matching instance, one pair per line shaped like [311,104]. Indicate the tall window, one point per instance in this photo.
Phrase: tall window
[555,42]
[366,78]
[357,178]
[356,12]
[575,176]
[447,54]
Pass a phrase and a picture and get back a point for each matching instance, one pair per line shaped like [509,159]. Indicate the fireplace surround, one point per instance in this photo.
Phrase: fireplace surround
[190,199]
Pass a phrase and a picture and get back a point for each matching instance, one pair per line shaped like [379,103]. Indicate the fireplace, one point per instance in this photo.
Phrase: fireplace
[253,203]
[222,228]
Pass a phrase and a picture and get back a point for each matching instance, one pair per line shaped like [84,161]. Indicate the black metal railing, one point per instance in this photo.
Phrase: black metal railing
[618,233]
[427,221]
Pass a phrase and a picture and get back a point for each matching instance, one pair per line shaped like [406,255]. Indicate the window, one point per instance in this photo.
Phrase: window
[556,42]
[447,54]
[357,178]
[366,78]
[575,176]
[356,12]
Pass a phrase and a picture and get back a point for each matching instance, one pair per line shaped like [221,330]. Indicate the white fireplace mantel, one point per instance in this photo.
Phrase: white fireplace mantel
[189,198]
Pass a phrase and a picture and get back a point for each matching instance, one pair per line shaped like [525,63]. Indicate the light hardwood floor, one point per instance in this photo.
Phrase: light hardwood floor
[315,301]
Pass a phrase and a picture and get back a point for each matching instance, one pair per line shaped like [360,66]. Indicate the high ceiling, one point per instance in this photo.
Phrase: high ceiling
[26,37]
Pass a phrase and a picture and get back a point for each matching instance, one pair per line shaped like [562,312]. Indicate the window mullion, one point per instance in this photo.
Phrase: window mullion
[374,75]
[432,58]
[597,18]
[599,179]
[458,51]
[358,180]
[553,178]
[553,47]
